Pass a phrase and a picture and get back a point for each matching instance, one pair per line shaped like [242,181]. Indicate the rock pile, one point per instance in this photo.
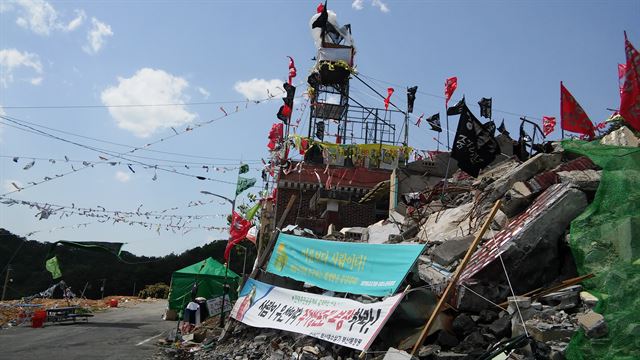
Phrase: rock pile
[519,294]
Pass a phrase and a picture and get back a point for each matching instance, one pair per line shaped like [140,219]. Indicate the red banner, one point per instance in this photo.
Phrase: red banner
[237,232]
[548,124]
[450,85]
[630,92]
[572,116]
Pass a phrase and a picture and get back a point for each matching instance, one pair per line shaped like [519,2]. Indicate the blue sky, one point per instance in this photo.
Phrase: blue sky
[101,53]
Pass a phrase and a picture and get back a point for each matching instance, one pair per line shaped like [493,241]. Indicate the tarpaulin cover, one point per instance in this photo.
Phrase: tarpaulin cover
[209,275]
[605,241]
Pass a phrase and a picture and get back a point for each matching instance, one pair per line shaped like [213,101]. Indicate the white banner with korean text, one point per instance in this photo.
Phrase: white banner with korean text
[341,321]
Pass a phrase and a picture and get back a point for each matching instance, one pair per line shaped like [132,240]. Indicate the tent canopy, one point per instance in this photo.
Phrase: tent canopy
[210,277]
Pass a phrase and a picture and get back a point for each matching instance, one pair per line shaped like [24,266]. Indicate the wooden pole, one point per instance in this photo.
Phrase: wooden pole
[455,278]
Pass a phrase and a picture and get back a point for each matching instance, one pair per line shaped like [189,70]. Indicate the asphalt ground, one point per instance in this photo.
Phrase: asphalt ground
[126,332]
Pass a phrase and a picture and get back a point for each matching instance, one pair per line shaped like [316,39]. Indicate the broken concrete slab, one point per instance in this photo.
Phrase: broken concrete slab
[567,298]
[522,172]
[530,239]
[447,224]
[546,332]
[593,324]
[585,180]
[463,325]
[379,232]
[621,137]
[501,328]
[451,250]
[395,354]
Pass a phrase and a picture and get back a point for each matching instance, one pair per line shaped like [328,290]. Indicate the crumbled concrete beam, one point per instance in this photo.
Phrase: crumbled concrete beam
[516,199]
[395,354]
[445,225]
[593,324]
[523,172]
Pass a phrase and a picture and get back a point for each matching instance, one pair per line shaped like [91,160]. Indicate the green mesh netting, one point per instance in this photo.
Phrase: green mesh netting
[605,241]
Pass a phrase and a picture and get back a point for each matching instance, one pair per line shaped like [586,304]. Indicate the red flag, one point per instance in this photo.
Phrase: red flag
[275,135]
[388,99]
[548,124]
[292,69]
[630,92]
[572,116]
[237,232]
[449,87]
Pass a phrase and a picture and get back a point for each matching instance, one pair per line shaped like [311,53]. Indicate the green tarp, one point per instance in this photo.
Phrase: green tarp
[209,274]
[605,241]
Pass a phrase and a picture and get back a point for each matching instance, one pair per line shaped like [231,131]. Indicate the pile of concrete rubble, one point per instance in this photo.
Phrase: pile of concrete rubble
[520,293]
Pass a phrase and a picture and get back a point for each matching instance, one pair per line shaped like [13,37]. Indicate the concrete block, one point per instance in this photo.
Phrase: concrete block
[451,250]
[593,324]
[447,224]
[588,300]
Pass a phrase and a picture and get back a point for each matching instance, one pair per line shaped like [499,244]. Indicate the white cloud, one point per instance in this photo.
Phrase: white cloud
[8,185]
[257,89]
[77,21]
[357,4]
[36,80]
[12,60]
[37,15]
[122,176]
[96,36]
[148,86]
[378,3]
[204,92]
[40,16]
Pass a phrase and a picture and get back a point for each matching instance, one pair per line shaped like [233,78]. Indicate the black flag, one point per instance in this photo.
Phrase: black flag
[491,127]
[434,122]
[457,108]
[411,98]
[320,130]
[502,129]
[473,146]
[284,113]
[485,107]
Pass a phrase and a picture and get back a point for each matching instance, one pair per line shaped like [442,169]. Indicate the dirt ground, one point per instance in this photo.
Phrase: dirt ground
[15,310]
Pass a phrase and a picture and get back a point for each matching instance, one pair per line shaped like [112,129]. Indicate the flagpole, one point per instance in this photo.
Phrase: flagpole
[226,263]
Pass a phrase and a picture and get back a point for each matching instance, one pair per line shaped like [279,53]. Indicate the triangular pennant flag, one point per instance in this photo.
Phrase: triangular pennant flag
[244,168]
[434,122]
[548,124]
[573,118]
[502,129]
[244,184]
[630,94]
[53,267]
[252,212]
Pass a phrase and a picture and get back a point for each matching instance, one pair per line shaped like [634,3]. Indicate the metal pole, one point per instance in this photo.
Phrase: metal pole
[104,281]
[6,282]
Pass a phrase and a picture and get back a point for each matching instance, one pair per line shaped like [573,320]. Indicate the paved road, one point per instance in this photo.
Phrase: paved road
[127,332]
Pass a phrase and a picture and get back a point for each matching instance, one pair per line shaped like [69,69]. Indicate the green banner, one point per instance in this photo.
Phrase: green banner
[244,184]
[53,267]
[357,268]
